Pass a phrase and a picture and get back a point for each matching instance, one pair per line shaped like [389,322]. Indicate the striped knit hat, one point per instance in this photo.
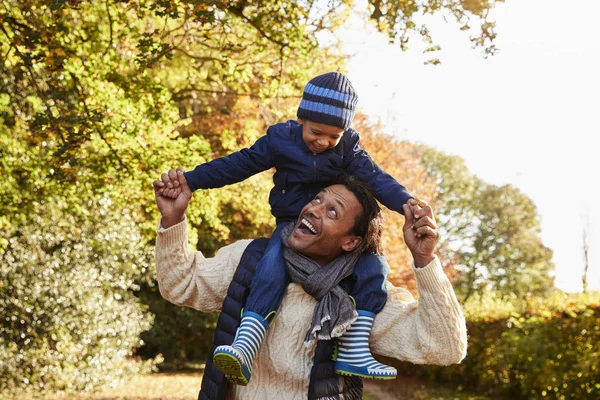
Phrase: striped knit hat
[329,99]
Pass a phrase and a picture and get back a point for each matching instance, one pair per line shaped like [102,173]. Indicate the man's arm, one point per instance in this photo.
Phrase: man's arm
[430,330]
[186,277]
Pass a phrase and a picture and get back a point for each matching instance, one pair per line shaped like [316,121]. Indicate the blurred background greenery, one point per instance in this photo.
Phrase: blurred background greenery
[98,98]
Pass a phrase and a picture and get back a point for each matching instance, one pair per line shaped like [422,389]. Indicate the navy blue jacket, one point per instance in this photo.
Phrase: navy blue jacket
[300,174]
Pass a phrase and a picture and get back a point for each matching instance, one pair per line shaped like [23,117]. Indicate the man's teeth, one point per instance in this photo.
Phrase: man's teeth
[309,225]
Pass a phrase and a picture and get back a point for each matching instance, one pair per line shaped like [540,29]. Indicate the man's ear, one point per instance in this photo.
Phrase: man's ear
[351,243]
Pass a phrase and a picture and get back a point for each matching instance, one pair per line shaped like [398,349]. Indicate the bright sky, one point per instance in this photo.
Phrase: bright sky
[528,116]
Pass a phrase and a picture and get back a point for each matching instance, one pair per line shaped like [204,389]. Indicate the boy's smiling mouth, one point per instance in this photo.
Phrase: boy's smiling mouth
[317,149]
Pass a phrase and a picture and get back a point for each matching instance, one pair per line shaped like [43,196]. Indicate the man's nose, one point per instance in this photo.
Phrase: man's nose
[315,211]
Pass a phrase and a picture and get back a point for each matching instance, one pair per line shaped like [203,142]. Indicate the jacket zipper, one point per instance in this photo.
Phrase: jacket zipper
[310,195]
[314,168]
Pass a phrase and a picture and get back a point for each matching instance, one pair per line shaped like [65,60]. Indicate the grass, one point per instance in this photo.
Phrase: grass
[184,385]
[158,386]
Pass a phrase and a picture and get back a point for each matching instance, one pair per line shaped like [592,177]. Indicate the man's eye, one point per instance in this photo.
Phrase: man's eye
[333,212]
[318,200]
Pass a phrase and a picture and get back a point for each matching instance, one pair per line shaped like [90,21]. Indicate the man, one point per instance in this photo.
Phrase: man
[431,330]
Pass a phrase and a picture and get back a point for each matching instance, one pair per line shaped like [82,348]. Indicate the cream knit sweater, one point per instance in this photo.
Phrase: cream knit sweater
[428,331]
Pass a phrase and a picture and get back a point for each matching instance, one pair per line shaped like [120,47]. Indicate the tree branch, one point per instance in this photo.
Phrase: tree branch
[76,83]
[8,52]
[110,28]
[182,94]
[32,76]
[239,11]
[195,57]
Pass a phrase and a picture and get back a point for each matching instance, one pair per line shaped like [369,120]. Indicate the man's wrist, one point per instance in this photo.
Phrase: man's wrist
[167,222]
[423,261]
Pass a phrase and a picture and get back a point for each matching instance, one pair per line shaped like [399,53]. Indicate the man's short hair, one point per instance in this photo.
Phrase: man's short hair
[369,224]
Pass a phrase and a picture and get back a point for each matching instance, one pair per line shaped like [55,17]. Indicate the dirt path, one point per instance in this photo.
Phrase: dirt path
[373,390]
[401,388]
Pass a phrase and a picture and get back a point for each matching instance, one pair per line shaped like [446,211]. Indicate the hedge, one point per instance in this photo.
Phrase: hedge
[550,348]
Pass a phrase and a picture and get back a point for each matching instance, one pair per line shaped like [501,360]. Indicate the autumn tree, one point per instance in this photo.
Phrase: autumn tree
[493,233]
[403,162]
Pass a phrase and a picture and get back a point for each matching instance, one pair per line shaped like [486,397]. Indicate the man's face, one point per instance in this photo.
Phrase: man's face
[322,231]
[320,137]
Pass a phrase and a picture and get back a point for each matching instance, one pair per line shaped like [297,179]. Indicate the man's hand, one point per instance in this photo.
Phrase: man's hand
[420,232]
[172,210]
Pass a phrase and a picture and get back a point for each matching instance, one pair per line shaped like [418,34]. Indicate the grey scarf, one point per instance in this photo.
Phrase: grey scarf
[334,311]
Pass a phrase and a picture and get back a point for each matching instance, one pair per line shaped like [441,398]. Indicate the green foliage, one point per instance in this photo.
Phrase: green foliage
[491,234]
[397,18]
[508,254]
[530,349]
[69,319]
[457,191]
[180,334]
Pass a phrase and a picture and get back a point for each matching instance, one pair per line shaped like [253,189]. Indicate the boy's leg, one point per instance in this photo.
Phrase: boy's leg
[266,293]
[370,295]
[370,274]
[270,279]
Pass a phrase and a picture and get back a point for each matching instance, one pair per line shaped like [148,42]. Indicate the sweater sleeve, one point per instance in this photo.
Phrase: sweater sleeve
[233,168]
[430,330]
[187,278]
[386,189]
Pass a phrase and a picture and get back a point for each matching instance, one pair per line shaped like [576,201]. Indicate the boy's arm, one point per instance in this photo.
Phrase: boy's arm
[386,189]
[233,168]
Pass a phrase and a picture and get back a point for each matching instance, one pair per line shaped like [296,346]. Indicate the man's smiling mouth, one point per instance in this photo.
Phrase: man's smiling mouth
[306,227]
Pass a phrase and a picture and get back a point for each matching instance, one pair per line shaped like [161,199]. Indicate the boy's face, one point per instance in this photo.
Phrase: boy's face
[320,137]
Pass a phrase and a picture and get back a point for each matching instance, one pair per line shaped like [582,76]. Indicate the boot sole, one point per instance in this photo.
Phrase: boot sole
[231,367]
[377,377]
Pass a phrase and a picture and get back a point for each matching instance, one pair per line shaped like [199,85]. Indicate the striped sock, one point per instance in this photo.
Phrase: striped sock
[353,353]
[236,360]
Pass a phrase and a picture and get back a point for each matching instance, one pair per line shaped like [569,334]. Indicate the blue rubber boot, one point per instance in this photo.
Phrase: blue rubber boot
[353,356]
[236,360]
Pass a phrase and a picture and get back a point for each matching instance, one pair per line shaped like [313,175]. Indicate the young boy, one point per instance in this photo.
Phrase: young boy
[308,154]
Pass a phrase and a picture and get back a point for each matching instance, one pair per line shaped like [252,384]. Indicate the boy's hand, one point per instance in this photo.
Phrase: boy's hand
[172,187]
[414,202]
[172,210]
[416,205]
